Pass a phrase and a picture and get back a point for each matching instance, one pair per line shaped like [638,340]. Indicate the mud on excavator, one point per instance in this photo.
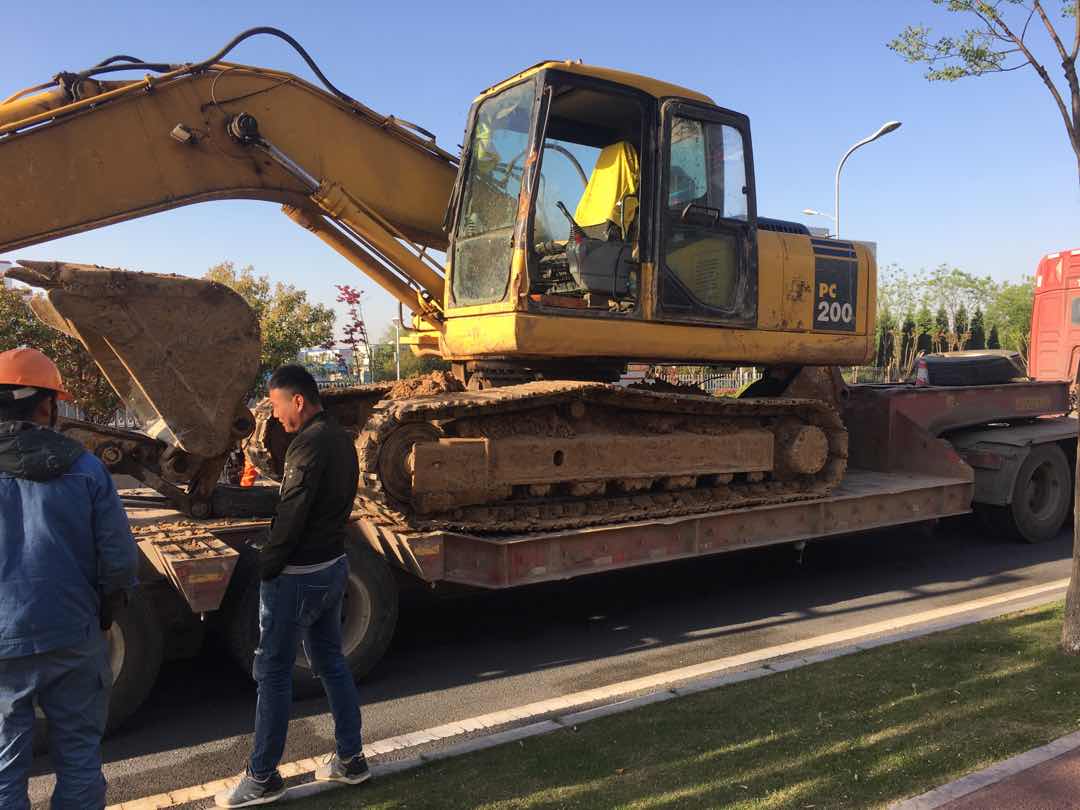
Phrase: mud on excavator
[594,218]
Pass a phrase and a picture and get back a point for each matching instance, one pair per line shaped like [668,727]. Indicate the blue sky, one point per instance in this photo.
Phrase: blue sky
[980,175]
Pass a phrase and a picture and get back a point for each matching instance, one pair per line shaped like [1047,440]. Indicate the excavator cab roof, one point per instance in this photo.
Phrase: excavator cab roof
[646,84]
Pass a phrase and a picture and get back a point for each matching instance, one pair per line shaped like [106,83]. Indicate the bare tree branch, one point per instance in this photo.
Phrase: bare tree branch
[1041,71]
[1076,39]
[1027,22]
[1052,31]
[1014,67]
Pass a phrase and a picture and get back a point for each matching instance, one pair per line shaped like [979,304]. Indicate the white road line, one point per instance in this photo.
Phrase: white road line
[611,692]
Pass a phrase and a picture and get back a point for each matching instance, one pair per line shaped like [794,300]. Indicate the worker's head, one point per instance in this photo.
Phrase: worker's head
[295,397]
[30,385]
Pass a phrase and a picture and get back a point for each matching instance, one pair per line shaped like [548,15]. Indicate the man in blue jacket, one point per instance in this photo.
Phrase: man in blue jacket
[67,558]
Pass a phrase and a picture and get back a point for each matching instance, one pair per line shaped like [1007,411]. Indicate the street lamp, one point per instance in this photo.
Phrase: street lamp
[884,129]
[813,212]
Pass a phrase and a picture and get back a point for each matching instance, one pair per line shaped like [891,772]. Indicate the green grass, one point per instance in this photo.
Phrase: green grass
[859,731]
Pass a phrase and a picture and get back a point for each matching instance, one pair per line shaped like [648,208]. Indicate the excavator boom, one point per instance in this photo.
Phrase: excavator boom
[367,184]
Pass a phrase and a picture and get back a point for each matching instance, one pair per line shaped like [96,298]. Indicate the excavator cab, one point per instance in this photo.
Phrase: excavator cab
[598,194]
[586,181]
[599,216]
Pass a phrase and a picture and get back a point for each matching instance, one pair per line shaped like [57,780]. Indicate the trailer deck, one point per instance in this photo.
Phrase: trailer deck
[866,500]
[902,471]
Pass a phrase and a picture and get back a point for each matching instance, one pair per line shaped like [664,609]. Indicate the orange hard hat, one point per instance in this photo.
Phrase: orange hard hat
[29,368]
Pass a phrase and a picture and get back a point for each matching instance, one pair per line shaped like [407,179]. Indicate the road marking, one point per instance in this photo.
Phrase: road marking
[607,693]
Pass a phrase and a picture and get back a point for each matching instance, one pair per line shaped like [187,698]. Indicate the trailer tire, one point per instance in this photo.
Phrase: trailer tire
[369,616]
[135,629]
[1041,498]
[135,655]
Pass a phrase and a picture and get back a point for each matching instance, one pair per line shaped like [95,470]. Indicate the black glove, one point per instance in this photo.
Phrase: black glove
[111,603]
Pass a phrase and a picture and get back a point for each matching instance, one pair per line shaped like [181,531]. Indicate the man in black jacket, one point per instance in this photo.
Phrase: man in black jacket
[304,572]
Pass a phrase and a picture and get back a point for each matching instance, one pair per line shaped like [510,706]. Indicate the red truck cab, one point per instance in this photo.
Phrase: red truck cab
[1055,318]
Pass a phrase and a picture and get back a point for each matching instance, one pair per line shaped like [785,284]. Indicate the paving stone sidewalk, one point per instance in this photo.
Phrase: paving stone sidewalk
[1045,778]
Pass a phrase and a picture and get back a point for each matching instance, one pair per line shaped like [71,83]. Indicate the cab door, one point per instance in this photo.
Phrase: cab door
[707,216]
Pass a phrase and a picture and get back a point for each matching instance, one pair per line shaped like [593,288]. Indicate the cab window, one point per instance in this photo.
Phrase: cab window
[483,241]
[705,219]
[585,221]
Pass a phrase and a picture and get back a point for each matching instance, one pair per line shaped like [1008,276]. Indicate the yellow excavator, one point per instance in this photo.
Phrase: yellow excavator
[593,218]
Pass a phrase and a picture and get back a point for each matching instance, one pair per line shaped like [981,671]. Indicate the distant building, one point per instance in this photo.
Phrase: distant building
[332,365]
[11,284]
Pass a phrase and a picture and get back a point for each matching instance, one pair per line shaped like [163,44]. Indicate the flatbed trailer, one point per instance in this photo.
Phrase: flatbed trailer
[916,455]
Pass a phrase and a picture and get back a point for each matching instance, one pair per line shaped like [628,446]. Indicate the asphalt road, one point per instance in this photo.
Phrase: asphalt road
[462,657]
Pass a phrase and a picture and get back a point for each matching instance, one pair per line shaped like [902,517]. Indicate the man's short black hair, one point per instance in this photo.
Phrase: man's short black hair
[296,380]
[20,410]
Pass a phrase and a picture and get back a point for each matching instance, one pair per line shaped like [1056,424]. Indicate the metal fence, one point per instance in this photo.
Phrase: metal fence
[728,381]
[121,420]
[713,380]
[341,382]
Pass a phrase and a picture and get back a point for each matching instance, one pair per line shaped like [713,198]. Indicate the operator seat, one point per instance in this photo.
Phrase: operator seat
[614,176]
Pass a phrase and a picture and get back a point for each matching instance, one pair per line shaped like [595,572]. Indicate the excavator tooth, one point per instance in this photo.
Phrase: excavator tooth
[182,353]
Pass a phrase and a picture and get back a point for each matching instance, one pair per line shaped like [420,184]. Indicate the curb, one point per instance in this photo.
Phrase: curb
[990,776]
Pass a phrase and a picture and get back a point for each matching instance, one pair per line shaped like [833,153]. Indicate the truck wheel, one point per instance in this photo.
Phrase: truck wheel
[369,616]
[135,653]
[1041,498]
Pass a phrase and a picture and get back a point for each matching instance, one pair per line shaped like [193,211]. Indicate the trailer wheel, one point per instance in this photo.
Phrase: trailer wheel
[1041,498]
[135,654]
[369,616]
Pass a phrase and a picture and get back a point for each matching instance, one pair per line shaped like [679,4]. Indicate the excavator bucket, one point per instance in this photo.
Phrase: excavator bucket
[182,353]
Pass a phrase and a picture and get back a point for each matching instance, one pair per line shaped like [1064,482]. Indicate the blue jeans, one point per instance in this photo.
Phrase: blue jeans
[302,608]
[72,687]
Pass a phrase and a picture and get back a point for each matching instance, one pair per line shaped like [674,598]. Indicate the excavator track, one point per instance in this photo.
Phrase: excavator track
[403,439]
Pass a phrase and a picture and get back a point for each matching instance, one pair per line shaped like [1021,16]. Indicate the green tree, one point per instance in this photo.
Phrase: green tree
[978,330]
[84,380]
[411,365]
[887,328]
[954,289]
[993,341]
[924,325]
[288,322]
[961,327]
[1010,314]
[899,290]
[941,329]
[997,42]
[908,345]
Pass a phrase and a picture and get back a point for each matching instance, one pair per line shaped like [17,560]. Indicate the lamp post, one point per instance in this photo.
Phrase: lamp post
[884,129]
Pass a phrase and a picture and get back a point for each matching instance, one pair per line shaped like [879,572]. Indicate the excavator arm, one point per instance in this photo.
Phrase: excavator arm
[90,152]
[85,152]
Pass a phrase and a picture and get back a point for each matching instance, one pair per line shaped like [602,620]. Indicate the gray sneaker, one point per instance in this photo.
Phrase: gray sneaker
[250,791]
[351,771]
